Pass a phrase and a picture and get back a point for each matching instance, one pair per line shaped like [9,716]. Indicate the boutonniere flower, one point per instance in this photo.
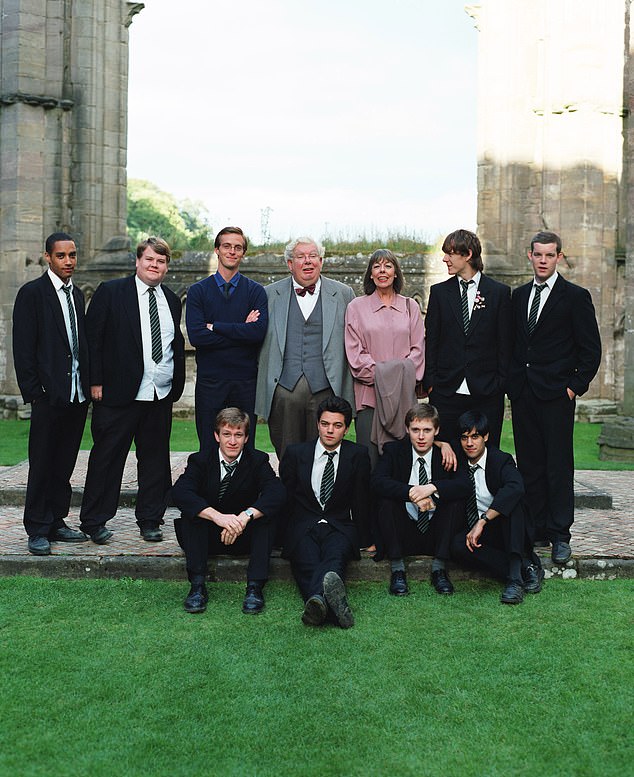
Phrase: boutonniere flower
[479,302]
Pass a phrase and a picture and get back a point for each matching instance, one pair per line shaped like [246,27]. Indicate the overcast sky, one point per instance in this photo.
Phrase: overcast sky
[341,116]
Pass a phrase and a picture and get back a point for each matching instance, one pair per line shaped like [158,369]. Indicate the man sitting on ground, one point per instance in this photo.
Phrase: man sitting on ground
[420,500]
[327,483]
[229,498]
[496,533]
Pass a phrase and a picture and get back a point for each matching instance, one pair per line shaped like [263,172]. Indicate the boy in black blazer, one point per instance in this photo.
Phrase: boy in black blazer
[467,339]
[496,532]
[229,498]
[556,353]
[419,501]
[137,372]
[327,483]
[50,353]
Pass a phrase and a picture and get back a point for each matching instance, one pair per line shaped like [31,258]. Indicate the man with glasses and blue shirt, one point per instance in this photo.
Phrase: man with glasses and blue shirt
[303,357]
[227,318]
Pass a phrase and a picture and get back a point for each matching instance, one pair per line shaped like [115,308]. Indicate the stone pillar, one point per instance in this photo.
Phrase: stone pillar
[63,136]
[617,437]
[550,149]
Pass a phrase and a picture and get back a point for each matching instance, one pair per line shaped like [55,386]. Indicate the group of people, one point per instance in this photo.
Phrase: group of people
[307,355]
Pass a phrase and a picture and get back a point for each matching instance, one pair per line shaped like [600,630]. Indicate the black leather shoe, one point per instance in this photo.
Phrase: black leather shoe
[533,576]
[101,535]
[335,593]
[253,599]
[152,534]
[197,598]
[561,552]
[66,534]
[398,584]
[541,544]
[39,546]
[441,582]
[315,611]
[513,593]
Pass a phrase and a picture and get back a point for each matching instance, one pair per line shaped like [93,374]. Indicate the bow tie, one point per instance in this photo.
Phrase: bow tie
[302,291]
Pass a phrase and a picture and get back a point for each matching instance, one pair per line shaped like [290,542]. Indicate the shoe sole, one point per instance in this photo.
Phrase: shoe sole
[535,589]
[40,552]
[335,593]
[314,614]
[61,539]
[102,540]
[511,601]
[195,610]
[153,539]
[399,593]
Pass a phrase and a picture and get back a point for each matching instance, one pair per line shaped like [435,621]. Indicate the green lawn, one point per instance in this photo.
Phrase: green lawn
[14,442]
[113,678]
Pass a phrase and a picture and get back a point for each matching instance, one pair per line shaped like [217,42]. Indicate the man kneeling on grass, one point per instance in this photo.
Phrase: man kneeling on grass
[497,531]
[327,482]
[229,498]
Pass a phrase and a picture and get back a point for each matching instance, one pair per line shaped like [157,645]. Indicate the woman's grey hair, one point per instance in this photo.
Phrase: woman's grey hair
[288,251]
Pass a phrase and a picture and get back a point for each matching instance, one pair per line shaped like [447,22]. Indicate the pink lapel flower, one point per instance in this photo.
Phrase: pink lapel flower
[479,302]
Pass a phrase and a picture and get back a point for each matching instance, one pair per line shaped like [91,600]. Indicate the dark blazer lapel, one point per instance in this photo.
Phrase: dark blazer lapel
[305,471]
[552,301]
[213,476]
[342,479]
[455,303]
[52,300]
[523,293]
[131,302]
[404,461]
[486,290]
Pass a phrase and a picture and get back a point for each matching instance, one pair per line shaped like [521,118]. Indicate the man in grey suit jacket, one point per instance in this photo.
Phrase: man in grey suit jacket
[303,358]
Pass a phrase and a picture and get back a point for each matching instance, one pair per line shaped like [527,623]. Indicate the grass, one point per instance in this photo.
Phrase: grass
[14,437]
[112,677]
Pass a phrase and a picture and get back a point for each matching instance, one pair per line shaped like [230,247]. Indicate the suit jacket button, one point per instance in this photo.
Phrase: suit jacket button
[528,365]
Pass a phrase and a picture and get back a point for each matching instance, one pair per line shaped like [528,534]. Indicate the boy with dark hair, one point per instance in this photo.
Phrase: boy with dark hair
[467,338]
[327,484]
[496,532]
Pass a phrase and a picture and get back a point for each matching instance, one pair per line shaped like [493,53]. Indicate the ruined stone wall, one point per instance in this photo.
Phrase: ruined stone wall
[63,136]
[551,152]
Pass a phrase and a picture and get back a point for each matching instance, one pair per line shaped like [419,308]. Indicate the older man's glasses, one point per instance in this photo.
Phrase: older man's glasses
[306,257]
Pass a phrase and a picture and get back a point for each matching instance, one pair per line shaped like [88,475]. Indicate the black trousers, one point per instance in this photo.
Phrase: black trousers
[399,535]
[451,408]
[149,425]
[200,538]
[543,431]
[54,439]
[212,396]
[322,549]
[502,538]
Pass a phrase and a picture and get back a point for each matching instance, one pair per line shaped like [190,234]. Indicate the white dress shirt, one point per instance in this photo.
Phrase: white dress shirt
[472,291]
[319,465]
[484,497]
[76,392]
[308,301]
[544,294]
[411,508]
[156,377]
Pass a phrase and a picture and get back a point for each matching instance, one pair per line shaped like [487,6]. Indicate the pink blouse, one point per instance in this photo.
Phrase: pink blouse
[376,332]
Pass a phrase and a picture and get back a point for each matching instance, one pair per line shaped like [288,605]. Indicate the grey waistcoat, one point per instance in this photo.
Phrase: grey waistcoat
[303,351]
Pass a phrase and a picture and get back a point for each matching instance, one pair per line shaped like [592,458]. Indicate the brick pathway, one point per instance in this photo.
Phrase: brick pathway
[602,539]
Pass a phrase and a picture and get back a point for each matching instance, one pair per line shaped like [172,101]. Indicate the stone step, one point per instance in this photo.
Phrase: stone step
[13,483]
[228,569]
